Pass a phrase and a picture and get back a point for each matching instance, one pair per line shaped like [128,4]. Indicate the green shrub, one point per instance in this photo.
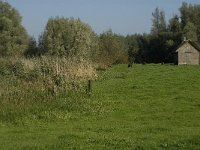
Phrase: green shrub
[11,68]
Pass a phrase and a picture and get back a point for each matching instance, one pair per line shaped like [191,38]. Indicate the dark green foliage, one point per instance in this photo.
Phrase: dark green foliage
[159,22]
[164,40]
[163,46]
[133,48]
[13,36]
[155,48]
[190,32]
[8,68]
[174,25]
[190,17]
[32,50]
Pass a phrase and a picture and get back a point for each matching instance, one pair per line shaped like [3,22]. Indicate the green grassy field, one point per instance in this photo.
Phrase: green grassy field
[144,107]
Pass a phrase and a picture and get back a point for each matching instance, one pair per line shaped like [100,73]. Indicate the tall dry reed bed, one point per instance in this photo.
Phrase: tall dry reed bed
[35,86]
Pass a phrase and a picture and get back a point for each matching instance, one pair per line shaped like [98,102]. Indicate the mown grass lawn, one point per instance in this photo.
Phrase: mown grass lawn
[144,107]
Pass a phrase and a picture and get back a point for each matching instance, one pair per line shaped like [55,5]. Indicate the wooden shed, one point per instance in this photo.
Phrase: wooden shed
[188,53]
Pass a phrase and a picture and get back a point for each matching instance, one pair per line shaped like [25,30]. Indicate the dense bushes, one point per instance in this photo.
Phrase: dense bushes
[13,36]
[69,38]
[112,49]
[10,68]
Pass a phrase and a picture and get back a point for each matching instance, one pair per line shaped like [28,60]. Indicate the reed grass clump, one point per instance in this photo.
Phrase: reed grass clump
[43,83]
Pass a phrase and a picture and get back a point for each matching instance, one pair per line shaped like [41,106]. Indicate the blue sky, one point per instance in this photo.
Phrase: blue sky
[122,16]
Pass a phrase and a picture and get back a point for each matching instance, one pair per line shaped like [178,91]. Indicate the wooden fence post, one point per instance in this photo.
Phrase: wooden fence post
[89,87]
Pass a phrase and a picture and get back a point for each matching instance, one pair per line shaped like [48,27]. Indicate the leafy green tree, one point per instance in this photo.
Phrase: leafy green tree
[190,32]
[133,48]
[190,14]
[159,22]
[174,38]
[174,25]
[68,37]
[184,14]
[13,36]
[163,38]
[157,51]
[112,48]
[32,50]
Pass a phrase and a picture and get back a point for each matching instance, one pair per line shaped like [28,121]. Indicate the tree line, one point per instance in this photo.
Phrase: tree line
[69,37]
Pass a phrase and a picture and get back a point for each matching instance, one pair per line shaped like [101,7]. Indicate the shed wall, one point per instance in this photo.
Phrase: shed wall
[188,55]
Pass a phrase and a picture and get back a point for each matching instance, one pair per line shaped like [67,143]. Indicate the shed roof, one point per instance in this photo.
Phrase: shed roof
[195,45]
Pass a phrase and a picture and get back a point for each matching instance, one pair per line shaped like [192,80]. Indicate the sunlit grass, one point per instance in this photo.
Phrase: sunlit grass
[144,107]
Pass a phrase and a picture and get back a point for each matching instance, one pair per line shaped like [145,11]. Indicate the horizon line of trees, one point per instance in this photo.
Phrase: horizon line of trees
[69,37]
